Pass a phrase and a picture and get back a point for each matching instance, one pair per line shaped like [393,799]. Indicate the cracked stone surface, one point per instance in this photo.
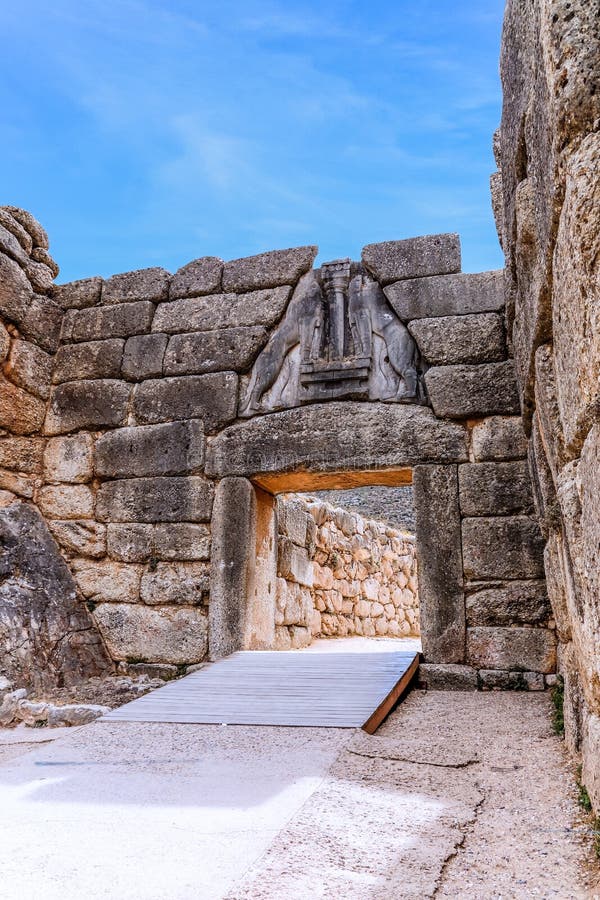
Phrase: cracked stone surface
[458,795]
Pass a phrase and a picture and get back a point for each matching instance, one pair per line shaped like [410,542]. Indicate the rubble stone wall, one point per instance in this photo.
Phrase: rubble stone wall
[547,201]
[340,574]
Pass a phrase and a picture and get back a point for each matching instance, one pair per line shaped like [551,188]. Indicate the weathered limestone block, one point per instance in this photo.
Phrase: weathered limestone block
[498,680]
[15,290]
[10,245]
[30,224]
[576,287]
[546,410]
[176,583]
[441,594]
[232,561]
[90,359]
[83,537]
[161,634]
[201,276]
[462,392]
[516,649]
[20,412]
[24,454]
[143,356]
[23,485]
[560,584]
[130,542]
[293,562]
[268,269]
[175,448]
[283,639]
[47,636]
[448,340]
[333,437]
[142,284]
[502,547]
[105,581]
[508,603]
[87,404]
[292,520]
[155,500]
[30,368]
[42,322]
[586,554]
[40,276]
[66,501]
[451,677]
[77,294]
[69,458]
[16,229]
[545,498]
[590,774]
[447,295]
[222,311]
[214,351]
[432,254]
[499,437]
[99,323]
[494,488]
[182,541]
[212,398]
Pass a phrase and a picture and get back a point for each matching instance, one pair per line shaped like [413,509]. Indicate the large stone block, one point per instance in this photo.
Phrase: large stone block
[66,501]
[69,458]
[447,295]
[15,290]
[20,412]
[292,520]
[441,595]
[222,311]
[31,225]
[155,500]
[4,343]
[87,404]
[42,323]
[153,634]
[106,581]
[91,359]
[99,323]
[142,284]
[47,636]
[23,454]
[201,276]
[451,677]
[83,537]
[515,649]
[293,563]
[175,448]
[182,541]
[494,488]
[499,437]
[16,229]
[460,339]
[508,603]
[29,367]
[268,269]
[232,562]
[466,392]
[77,294]
[503,547]
[143,356]
[214,351]
[130,542]
[432,254]
[334,437]
[212,398]
[181,583]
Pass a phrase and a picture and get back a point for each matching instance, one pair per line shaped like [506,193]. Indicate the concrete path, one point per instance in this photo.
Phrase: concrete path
[458,795]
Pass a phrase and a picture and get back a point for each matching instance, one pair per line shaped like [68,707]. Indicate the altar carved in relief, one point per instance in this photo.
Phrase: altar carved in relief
[339,339]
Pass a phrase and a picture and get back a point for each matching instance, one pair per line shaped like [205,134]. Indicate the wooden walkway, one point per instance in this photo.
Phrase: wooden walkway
[296,687]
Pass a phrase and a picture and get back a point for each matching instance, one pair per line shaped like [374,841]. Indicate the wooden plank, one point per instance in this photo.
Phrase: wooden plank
[325,689]
[386,706]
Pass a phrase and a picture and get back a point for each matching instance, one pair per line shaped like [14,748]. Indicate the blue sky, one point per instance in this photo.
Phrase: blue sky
[147,132]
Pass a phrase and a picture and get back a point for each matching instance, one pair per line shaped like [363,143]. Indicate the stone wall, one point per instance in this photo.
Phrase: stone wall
[547,204]
[159,434]
[339,574]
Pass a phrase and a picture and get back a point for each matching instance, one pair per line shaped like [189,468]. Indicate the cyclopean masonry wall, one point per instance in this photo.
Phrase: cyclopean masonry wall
[339,574]
[179,405]
[547,203]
